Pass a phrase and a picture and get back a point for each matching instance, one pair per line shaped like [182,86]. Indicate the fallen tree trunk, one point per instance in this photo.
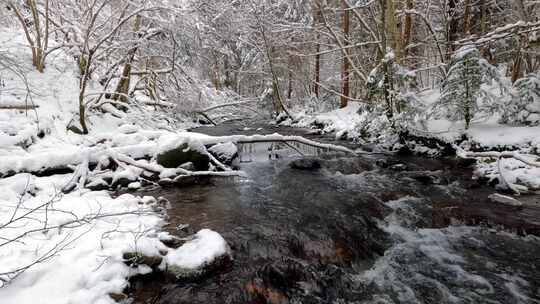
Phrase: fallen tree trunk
[517,189]
[61,161]
[18,107]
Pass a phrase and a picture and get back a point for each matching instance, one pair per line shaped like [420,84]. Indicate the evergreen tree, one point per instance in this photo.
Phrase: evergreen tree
[524,108]
[394,83]
[462,84]
[463,94]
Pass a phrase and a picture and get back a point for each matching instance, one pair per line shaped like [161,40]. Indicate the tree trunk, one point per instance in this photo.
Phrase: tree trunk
[407,29]
[467,18]
[345,72]
[122,89]
[517,66]
[452,28]
[392,26]
[316,87]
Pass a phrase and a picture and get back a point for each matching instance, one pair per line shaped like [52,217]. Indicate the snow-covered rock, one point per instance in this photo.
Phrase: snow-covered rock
[198,256]
[183,153]
[225,152]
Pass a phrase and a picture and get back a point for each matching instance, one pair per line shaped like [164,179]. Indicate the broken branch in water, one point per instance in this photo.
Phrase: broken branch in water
[517,189]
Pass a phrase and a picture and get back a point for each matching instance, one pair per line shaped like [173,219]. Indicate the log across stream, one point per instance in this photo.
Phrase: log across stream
[352,229]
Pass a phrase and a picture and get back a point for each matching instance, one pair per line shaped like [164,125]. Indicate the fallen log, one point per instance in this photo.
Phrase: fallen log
[38,163]
[517,189]
[18,107]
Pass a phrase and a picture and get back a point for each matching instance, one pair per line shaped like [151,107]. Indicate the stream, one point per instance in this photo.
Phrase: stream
[367,229]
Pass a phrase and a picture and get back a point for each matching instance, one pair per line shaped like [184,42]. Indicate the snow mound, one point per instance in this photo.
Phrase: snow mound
[225,152]
[205,248]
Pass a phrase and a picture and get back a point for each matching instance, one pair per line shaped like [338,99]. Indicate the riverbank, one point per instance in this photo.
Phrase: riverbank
[436,138]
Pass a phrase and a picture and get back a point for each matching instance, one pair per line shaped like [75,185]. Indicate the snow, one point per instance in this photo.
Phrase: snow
[226,150]
[203,249]
[90,230]
[75,242]
[343,119]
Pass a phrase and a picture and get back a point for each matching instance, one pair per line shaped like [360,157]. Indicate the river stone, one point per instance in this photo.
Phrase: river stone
[425,177]
[225,152]
[505,200]
[134,259]
[399,167]
[465,162]
[306,164]
[184,154]
[205,253]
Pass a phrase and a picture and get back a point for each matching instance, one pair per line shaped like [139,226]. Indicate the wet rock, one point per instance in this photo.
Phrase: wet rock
[425,177]
[305,164]
[173,242]
[347,165]
[118,297]
[404,150]
[399,167]
[466,162]
[122,182]
[183,154]
[381,163]
[282,275]
[184,181]
[265,294]
[505,200]
[134,259]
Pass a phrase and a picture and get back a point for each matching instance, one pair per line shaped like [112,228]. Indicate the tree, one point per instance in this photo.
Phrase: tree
[36,28]
[524,108]
[462,93]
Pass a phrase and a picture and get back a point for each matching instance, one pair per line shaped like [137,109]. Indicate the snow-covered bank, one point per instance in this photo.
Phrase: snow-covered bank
[71,248]
[61,242]
[434,137]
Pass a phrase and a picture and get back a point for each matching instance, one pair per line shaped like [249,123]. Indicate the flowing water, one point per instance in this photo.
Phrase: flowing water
[370,229]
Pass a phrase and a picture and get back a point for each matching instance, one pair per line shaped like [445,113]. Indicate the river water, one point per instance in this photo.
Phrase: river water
[369,229]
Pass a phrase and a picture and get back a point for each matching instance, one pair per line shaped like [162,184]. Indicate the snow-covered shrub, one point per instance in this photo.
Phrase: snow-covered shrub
[467,88]
[394,82]
[524,108]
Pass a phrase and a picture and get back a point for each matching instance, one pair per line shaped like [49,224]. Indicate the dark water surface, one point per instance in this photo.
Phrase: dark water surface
[359,230]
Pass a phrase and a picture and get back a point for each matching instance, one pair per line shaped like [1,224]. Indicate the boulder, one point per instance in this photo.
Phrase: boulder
[225,152]
[133,259]
[204,253]
[306,164]
[182,154]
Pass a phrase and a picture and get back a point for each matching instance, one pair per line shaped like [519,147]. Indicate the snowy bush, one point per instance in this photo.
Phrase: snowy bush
[524,108]
[393,81]
[467,88]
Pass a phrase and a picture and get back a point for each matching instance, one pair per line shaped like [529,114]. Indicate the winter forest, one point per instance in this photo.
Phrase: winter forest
[269,151]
